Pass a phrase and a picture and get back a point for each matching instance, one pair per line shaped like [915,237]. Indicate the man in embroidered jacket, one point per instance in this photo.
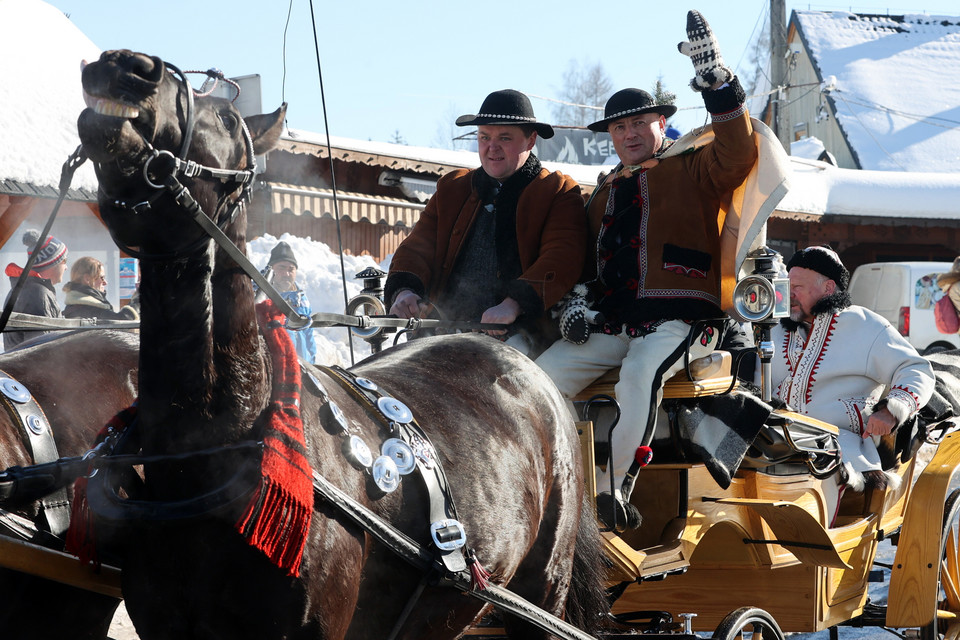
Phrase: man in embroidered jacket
[845,365]
[654,267]
[498,244]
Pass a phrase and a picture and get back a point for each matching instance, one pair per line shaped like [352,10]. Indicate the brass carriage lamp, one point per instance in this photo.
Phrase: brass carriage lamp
[762,298]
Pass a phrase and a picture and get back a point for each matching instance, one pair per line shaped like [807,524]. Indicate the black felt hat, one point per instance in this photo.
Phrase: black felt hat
[282,252]
[630,102]
[506,107]
[824,261]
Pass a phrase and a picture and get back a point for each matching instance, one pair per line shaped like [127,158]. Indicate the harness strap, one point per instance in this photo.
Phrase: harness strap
[27,414]
[442,510]
[421,558]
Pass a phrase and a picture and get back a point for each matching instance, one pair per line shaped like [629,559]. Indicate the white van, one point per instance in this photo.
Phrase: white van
[904,293]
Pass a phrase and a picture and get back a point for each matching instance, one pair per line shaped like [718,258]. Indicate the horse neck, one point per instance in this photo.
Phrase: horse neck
[201,360]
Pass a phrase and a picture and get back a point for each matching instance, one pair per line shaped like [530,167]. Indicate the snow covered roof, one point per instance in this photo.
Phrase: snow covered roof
[894,97]
[818,189]
[437,158]
[40,101]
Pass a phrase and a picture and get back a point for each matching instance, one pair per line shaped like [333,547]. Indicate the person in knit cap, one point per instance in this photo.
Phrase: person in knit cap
[38,296]
[846,365]
[499,244]
[86,293]
[284,265]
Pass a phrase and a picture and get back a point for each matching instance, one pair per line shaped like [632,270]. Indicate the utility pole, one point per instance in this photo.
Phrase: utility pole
[778,72]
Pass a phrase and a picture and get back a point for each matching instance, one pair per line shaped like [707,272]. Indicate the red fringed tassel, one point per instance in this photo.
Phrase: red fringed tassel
[277,518]
[479,577]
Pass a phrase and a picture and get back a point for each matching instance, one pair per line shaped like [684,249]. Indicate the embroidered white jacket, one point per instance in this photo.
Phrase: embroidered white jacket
[850,361]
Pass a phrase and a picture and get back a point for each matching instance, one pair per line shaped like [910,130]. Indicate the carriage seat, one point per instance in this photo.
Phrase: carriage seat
[711,374]
[791,443]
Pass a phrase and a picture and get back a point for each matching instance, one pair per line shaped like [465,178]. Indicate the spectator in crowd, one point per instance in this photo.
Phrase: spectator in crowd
[946,282]
[38,296]
[86,293]
[284,265]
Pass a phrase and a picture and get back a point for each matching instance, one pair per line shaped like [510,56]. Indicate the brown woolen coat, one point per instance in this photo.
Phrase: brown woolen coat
[684,194]
[551,230]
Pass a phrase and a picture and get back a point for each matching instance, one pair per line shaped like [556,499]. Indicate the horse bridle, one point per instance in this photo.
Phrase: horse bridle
[161,171]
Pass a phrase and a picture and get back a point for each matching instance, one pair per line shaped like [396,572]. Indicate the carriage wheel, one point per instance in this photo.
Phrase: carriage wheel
[946,624]
[748,623]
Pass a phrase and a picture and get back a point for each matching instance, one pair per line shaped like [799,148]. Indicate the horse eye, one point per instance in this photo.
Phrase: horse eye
[229,120]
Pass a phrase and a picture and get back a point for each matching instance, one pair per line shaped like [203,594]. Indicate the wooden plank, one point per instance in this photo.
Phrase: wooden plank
[13,211]
[796,530]
[912,600]
[60,567]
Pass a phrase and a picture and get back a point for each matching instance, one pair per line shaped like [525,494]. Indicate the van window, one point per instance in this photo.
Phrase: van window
[926,292]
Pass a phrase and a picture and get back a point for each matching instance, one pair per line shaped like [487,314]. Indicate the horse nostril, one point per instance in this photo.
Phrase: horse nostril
[148,68]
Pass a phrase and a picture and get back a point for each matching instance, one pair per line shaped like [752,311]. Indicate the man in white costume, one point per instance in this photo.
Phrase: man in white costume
[845,365]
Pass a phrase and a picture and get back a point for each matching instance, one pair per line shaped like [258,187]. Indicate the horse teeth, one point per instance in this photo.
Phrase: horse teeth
[112,108]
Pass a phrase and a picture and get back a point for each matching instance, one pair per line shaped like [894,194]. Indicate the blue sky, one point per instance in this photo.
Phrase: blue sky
[411,68]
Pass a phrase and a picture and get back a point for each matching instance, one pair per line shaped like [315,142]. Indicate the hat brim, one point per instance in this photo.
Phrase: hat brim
[600,126]
[542,128]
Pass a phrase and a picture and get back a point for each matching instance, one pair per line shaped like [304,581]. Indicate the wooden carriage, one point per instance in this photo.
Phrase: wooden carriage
[762,554]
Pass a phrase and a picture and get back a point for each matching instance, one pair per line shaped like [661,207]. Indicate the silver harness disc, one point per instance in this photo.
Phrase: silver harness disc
[385,474]
[394,410]
[14,390]
[357,452]
[401,453]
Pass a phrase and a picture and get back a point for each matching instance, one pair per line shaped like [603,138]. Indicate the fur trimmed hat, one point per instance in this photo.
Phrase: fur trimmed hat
[824,261]
[506,107]
[50,252]
[630,102]
[282,252]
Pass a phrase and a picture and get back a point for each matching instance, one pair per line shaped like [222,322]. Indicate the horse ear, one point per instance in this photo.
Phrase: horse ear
[265,129]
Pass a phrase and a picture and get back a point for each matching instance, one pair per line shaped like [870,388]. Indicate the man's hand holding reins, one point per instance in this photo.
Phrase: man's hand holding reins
[880,423]
[504,313]
[407,304]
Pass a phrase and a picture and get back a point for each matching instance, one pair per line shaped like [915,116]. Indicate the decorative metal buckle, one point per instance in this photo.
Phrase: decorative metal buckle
[448,535]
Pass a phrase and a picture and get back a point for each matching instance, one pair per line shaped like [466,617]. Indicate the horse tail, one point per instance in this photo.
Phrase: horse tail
[587,605]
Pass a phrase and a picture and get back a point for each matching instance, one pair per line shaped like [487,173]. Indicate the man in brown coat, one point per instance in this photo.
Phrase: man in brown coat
[655,266]
[498,244]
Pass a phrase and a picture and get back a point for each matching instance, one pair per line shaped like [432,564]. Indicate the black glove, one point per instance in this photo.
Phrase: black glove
[576,316]
[705,54]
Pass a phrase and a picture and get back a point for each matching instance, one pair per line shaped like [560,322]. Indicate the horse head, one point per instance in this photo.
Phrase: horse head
[143,124]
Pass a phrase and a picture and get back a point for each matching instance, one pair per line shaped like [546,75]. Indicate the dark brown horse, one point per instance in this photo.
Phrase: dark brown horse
[498,425]
[79,381]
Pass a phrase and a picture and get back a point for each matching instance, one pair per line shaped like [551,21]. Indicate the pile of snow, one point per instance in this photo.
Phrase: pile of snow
[319,274]
[41,94]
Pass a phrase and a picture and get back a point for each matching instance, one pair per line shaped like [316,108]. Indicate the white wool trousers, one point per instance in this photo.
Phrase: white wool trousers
[645,363]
